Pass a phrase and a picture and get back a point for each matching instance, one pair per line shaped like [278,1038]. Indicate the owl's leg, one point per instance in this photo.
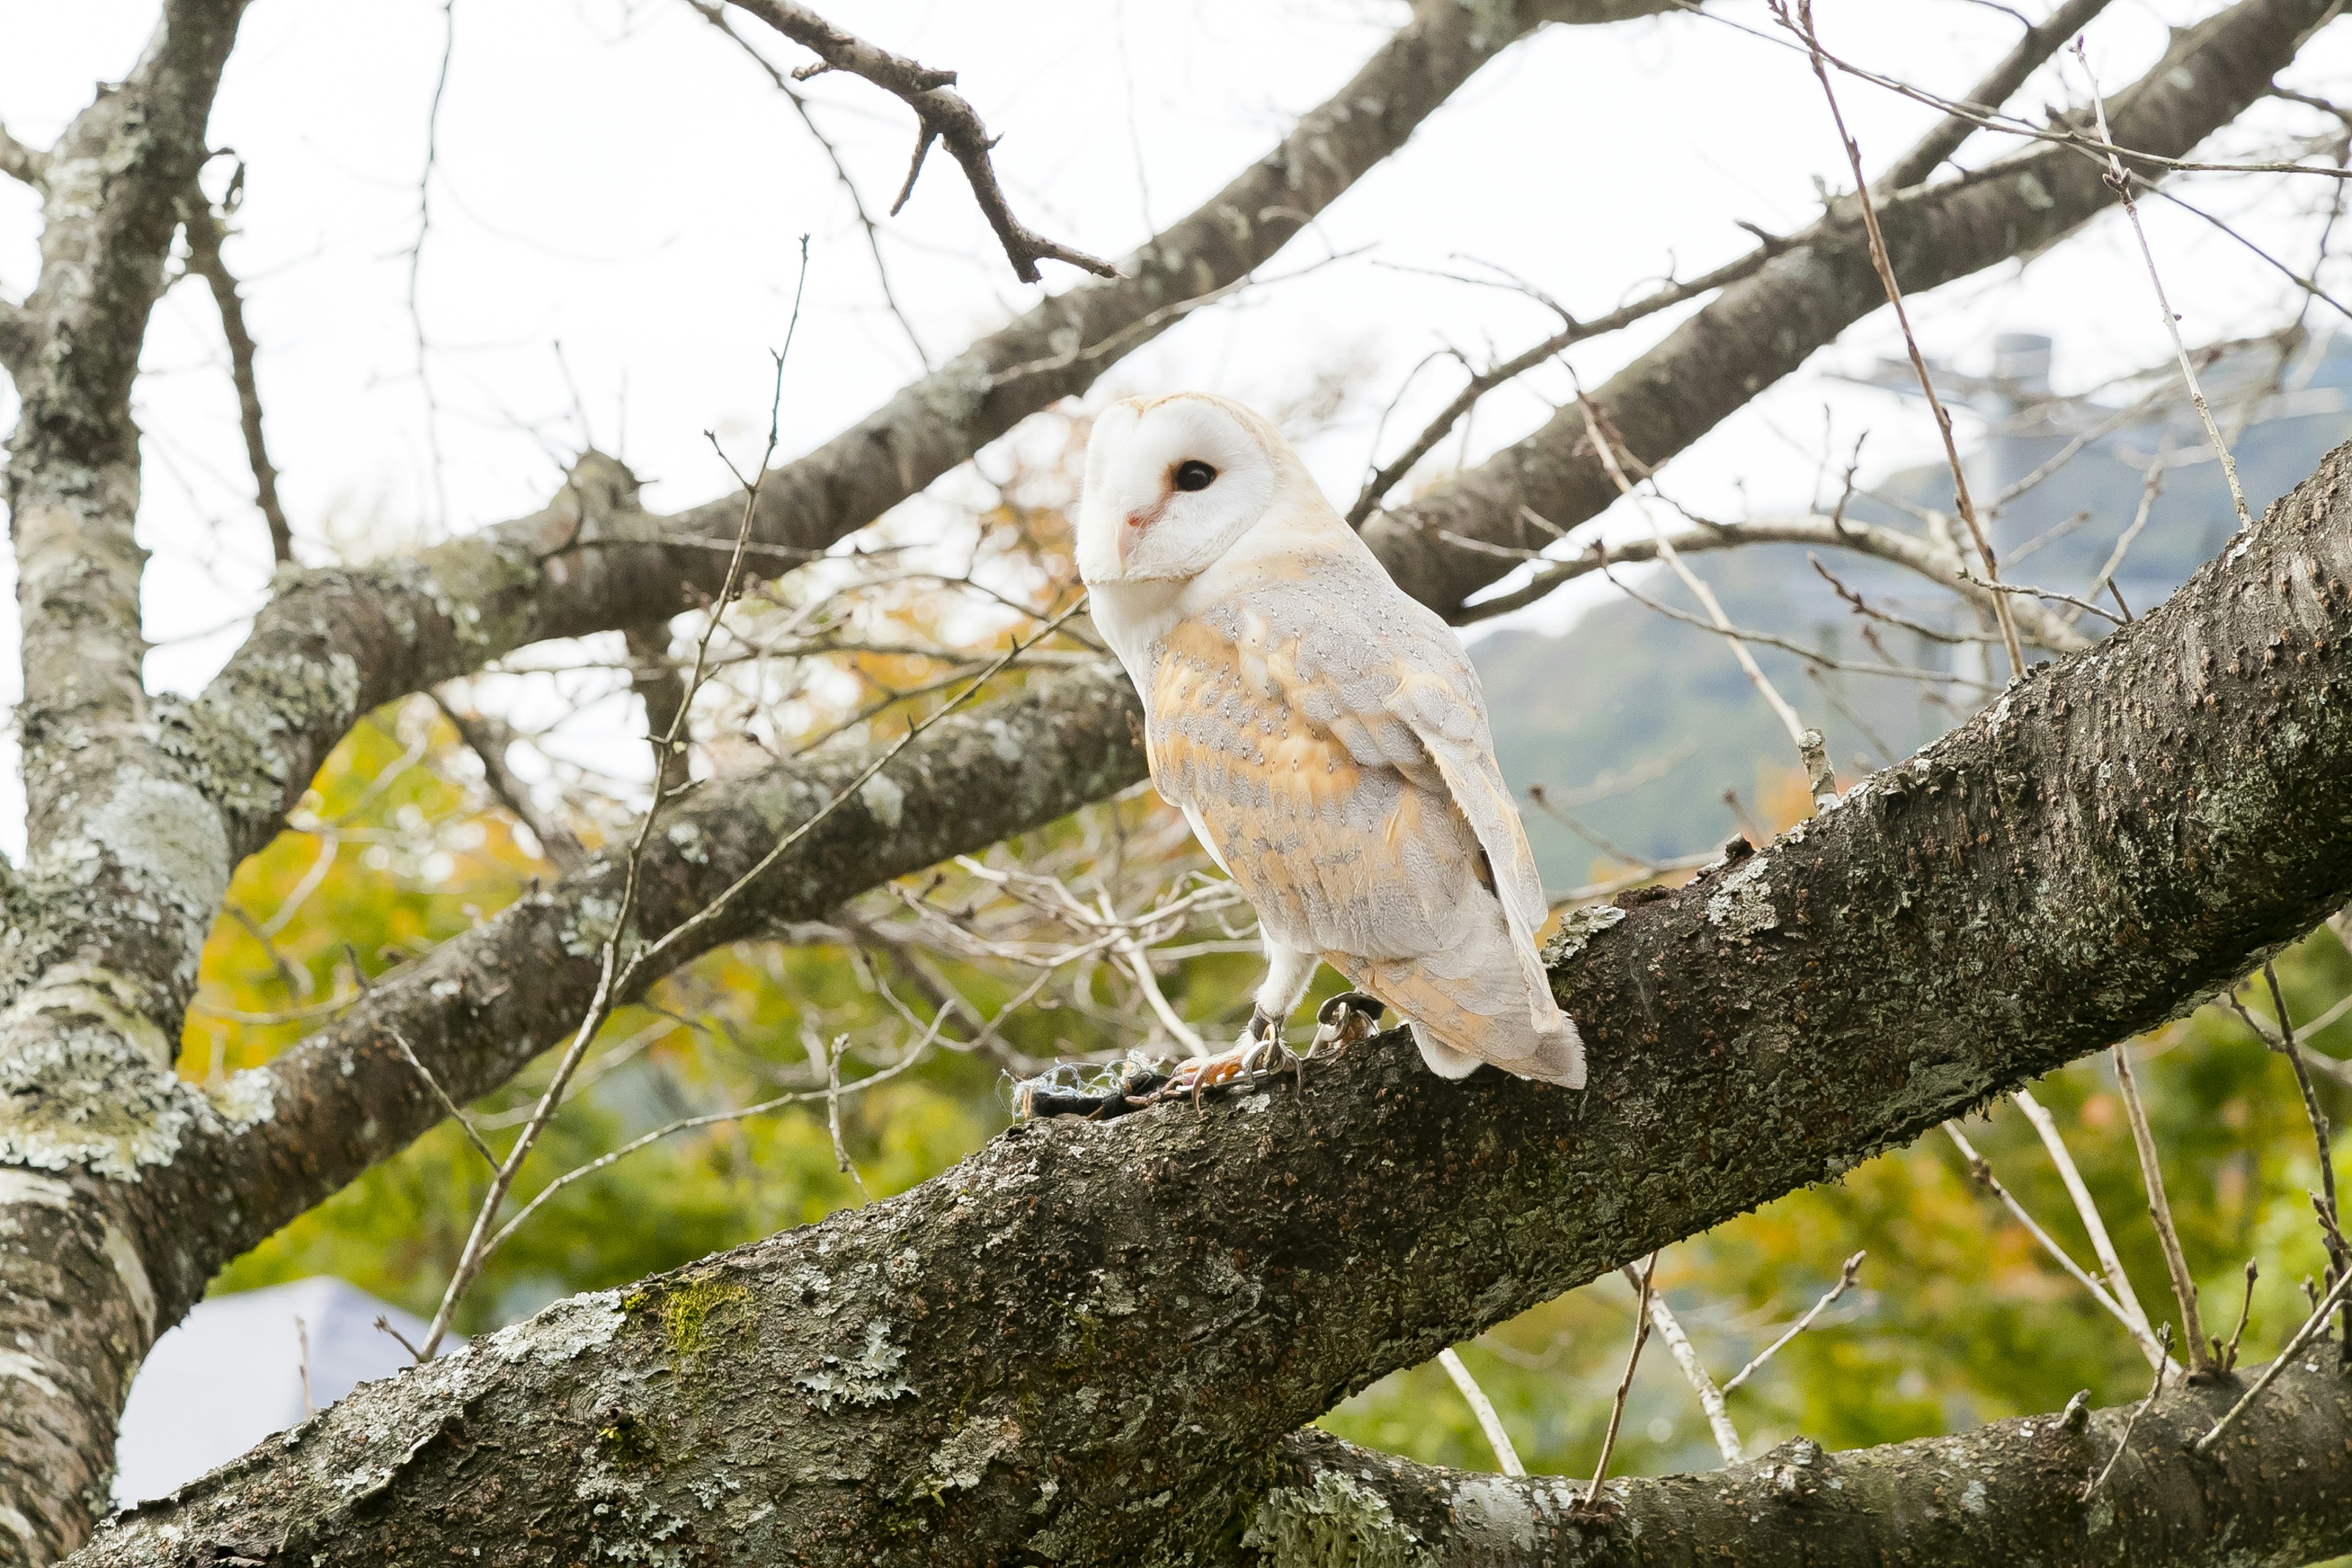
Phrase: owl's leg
[1288,972]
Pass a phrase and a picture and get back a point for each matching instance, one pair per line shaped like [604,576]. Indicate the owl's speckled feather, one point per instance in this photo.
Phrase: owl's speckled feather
[1323,732]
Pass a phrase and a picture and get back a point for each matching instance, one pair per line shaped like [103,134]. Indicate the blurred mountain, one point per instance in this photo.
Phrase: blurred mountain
[1636,725]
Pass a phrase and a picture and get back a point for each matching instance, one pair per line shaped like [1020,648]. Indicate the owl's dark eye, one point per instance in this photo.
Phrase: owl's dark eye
[1194,475]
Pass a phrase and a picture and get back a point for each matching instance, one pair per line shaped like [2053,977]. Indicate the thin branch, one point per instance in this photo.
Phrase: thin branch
[2160,1209]
[204,234]
[1604,442]
[2009,125]
[416,261]
[2150,488]
[946,117]
[841,1160]
[2164,1337]
[2121,183]
[1945,568]
[1940,143]
[1885,268]
[2320,1312]
[447,1104]
[1846,1276]
[611,976]
[645,1140]
[2042,40]
[1483,1408]
[1644,1284]
[488,738]
[2229,1356]
[715,13]
[1980,1169]
[1387,478]
[2325,1199]
[2085,1209]
[662,690]
[1711,1398]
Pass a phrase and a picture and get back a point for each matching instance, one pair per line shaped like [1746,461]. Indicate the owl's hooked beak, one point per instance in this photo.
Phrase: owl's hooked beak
[1132,527]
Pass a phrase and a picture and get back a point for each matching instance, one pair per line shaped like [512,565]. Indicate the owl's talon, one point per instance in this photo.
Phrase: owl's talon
[1345,1019]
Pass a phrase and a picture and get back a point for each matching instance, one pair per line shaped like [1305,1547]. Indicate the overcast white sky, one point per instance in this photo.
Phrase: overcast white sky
[614,177]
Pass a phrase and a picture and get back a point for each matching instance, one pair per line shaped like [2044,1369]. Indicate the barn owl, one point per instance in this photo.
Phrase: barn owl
[1324,733]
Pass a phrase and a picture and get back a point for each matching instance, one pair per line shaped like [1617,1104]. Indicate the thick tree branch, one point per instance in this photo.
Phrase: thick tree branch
[481,1007]
[945,116]
[2007,1493]
[127,864]
[1082,1343]
[337,644]
[1760,329]
[2037,45]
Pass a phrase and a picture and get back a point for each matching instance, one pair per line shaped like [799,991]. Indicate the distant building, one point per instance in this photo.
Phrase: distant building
[235,1371]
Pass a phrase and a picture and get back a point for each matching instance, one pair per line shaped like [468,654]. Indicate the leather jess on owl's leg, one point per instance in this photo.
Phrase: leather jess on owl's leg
[1288,972]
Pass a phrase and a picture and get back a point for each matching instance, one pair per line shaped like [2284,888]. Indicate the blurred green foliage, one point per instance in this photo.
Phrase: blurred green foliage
[1958,1318]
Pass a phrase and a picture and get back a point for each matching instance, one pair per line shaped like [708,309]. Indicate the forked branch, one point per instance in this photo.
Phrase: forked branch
[945,116]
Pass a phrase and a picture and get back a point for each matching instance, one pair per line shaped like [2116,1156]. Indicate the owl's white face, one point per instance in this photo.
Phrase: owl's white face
[1169,486]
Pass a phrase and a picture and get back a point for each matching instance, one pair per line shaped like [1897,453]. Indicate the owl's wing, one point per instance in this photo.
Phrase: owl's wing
[1327,735]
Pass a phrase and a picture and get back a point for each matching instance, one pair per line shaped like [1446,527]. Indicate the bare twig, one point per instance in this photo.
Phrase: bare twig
[456,1112]
[1980,1169]
[2009,125]
[1604,442]
[2164,1338]
[2320,1312]
[2040,42]
[416,261]
[841,1160]
[1643,1284]
[1885,267]
[614,977]
[1945,568]
[1914,166]
[204,234]
[383,1325]
[1711,1398]
[688,1123]
[1483,381]
[1846,1276]
[488,738]
[2150,488]
[2160,1209]
[2086,1209]
[2121,184]
[662,689]
[2229,1355]
[715,13]
[2330,1216]
[946,117]
[302,1365]
[1483,1408]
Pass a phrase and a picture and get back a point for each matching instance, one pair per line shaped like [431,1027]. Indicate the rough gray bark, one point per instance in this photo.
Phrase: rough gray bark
[1759,329]
[126,870]
[1087,1342]
[2277,1494]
